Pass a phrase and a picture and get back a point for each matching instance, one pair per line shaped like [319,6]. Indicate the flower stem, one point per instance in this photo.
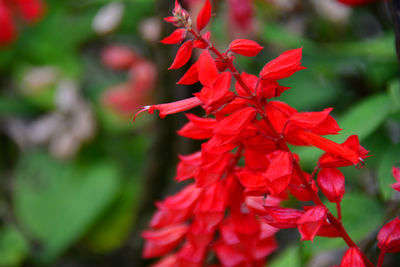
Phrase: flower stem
[381,258]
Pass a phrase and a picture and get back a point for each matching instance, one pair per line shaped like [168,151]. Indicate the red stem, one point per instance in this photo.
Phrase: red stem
[333,221]
[381,258]
[339,211]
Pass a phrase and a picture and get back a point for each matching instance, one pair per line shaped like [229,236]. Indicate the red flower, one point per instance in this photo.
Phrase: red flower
[173,107]
[31,11]
[352,258]
[389,236]
[396,175]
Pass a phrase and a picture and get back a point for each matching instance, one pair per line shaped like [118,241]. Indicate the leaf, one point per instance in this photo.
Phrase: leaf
[57,201]
[288,257]
[114,226]
[13,247]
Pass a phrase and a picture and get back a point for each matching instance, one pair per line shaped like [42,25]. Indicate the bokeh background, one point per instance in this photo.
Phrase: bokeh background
[78,178]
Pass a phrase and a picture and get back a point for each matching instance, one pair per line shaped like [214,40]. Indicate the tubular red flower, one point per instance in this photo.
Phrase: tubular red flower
[171,108]
[327,145]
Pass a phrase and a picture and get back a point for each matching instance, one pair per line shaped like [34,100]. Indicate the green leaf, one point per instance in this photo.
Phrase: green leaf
[13,247]
[57,201]
[288,257]
[391,158]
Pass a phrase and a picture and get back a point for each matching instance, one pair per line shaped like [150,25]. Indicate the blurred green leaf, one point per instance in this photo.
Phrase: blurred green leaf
[394,93]
[13,247]
[57,201]
[288,257]
[115,225]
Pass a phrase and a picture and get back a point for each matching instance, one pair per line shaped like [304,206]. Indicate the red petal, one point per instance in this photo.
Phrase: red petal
[204,16]
[190,77]
[219,93]
[235,122]
[162,241]
[187,167]
[176,37]
[331,181]
[197,128]
[245,47]
[207,69]
[183,55]
[279,171]
[352,258]
[283,66]
[311,120]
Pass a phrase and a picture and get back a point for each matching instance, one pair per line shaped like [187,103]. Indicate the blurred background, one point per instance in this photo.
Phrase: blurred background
[78,179]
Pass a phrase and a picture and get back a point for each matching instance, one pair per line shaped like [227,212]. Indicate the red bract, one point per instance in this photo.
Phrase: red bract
[231,209]
[331,182]
[352,258]
[245,47]
[176,37]
[183,55]
[311,222]
[283,66]
[204,16]
[389,236]
[206,69]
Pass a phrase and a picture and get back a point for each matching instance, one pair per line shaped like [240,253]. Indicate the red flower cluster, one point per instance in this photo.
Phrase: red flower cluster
[355,2]
[245,168]
[30,10]
[125,98]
